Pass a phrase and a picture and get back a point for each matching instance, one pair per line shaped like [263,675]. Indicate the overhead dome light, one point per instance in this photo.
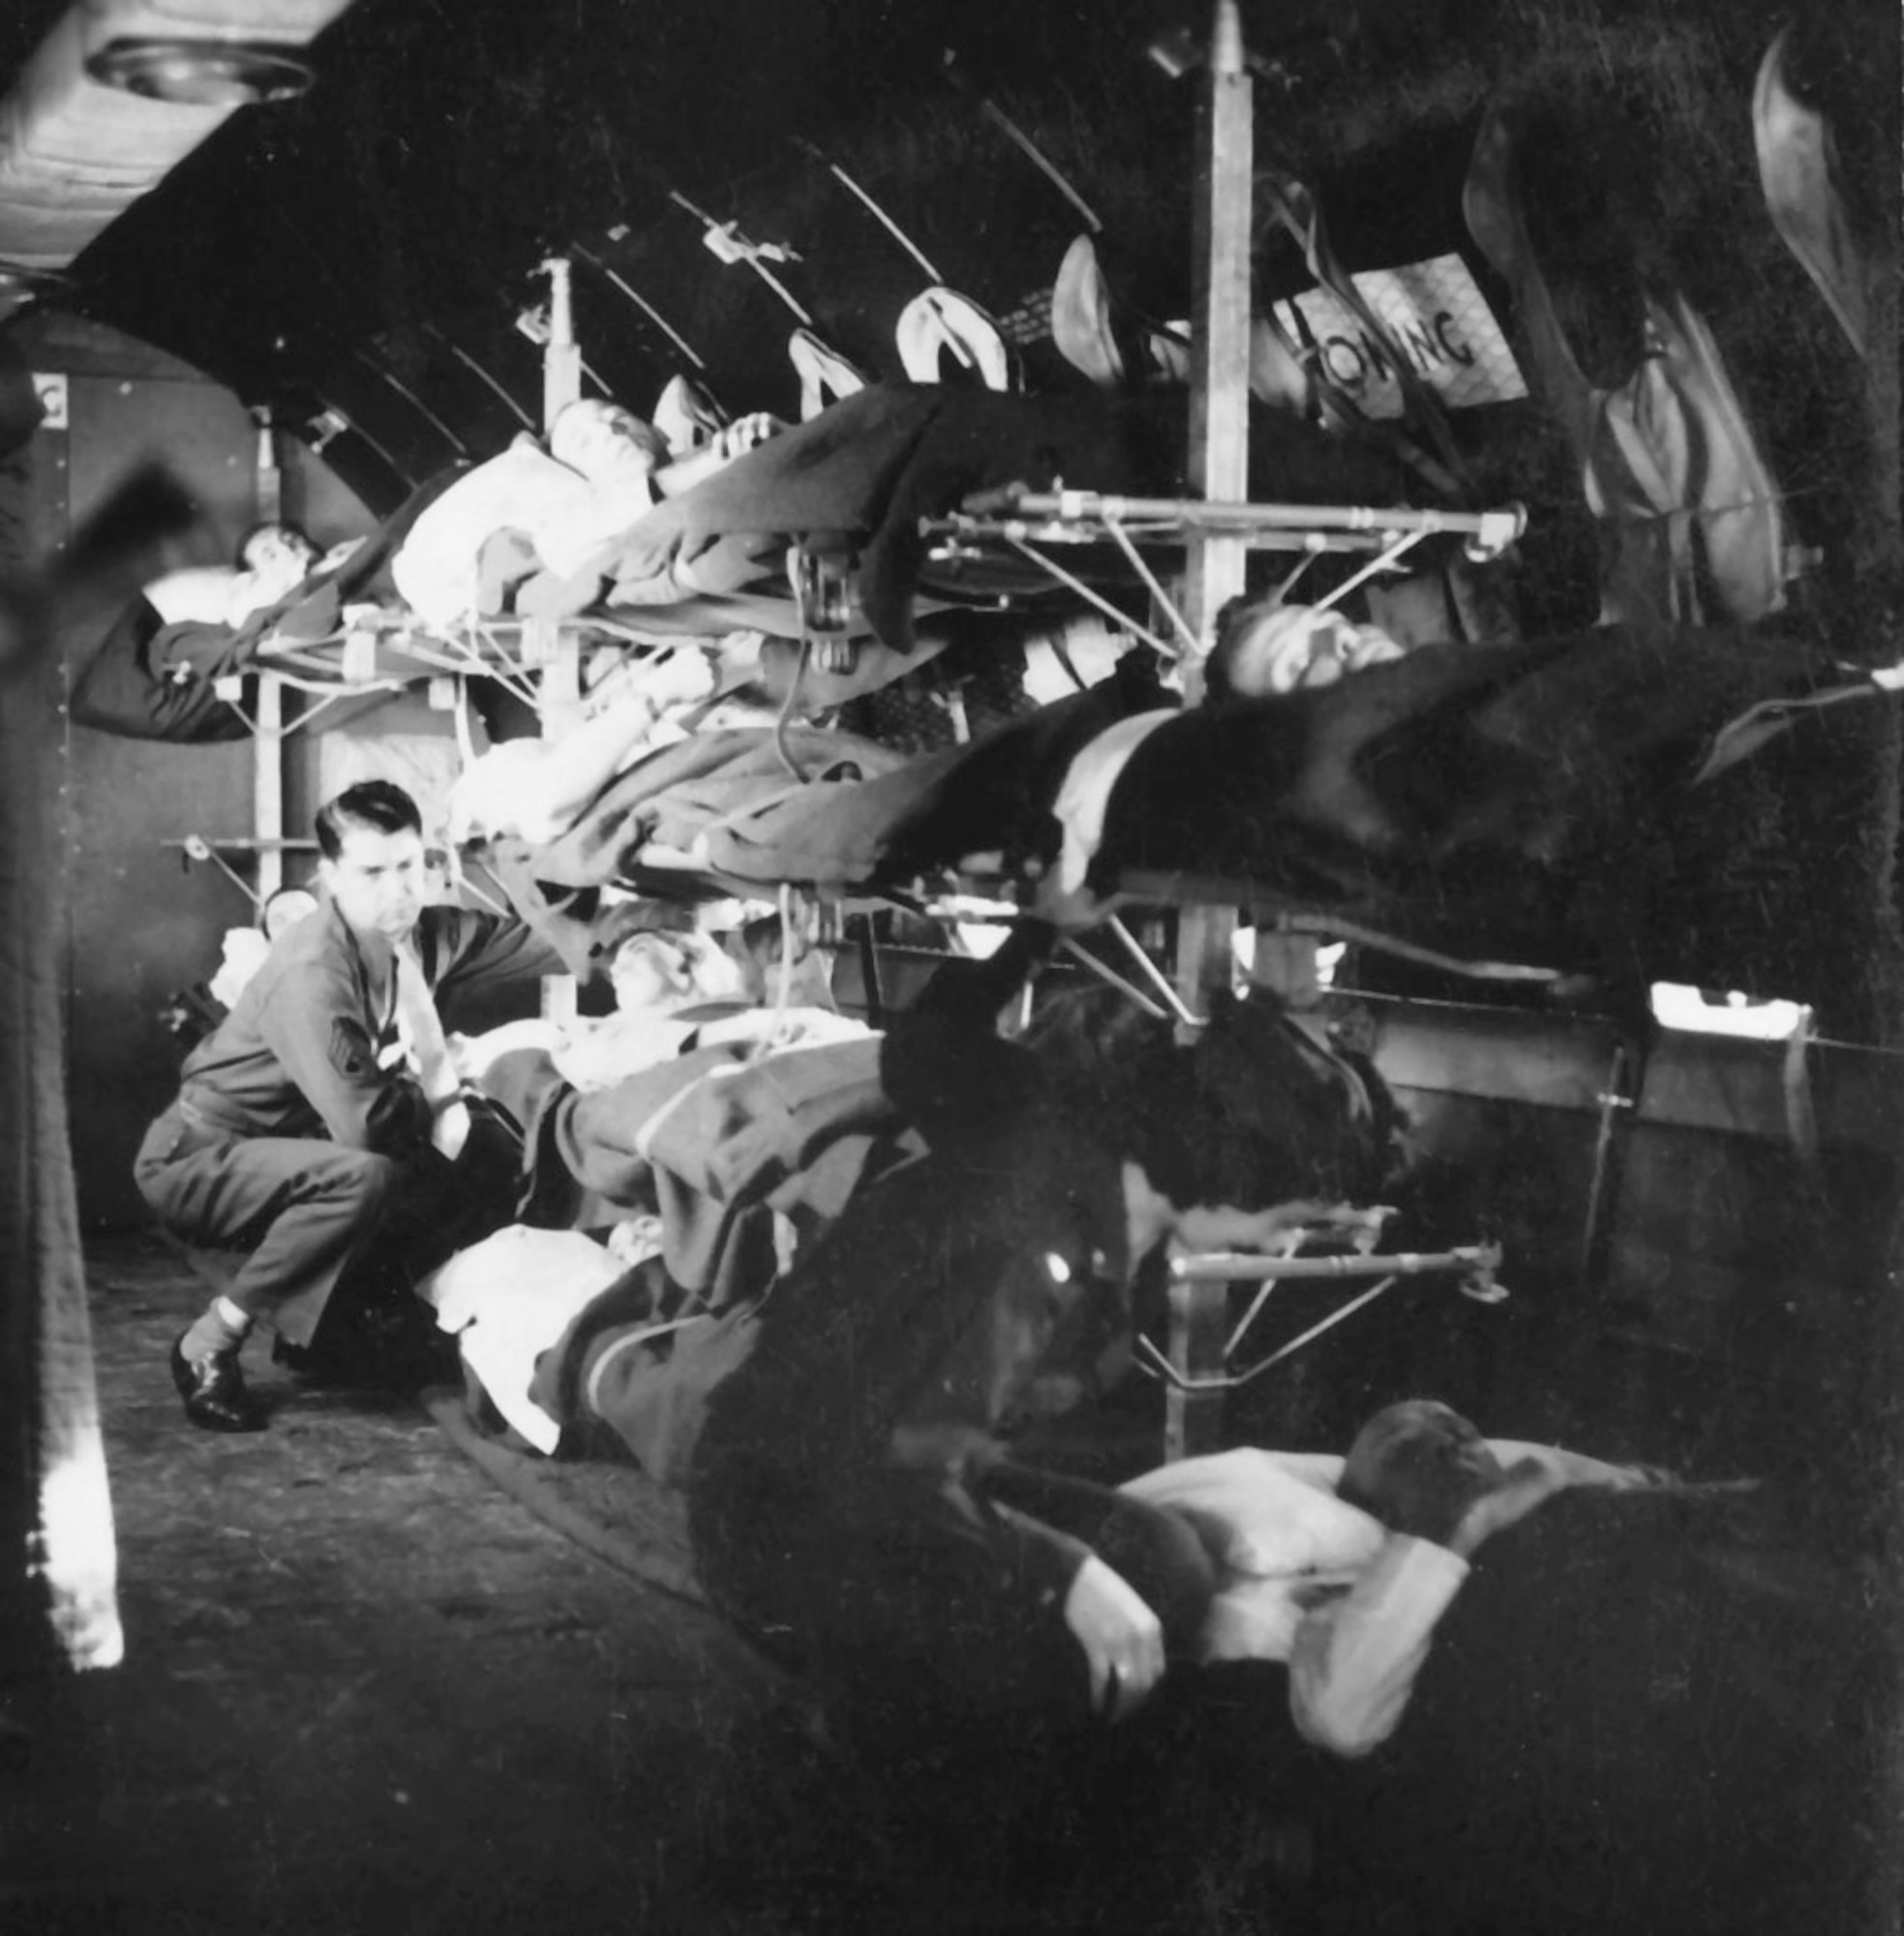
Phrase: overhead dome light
[200,73]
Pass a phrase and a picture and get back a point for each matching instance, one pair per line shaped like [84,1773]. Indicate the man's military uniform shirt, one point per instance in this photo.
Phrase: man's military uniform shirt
[302,1052]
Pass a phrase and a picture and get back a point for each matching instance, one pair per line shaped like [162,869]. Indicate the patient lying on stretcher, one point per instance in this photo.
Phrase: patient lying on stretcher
[723,1134]
[674,990]
[534,531]
[538,788]
[273,560]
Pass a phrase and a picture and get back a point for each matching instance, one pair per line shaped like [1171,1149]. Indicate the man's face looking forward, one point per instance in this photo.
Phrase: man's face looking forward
[378,882]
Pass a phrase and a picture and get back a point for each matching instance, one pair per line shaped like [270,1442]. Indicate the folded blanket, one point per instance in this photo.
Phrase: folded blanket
[717,1140]
[678,794]
[150,680]
[1557,804]
[864,473]
[994,796]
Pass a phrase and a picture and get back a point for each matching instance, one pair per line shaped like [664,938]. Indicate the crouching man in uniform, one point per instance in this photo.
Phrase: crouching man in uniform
[327,1097]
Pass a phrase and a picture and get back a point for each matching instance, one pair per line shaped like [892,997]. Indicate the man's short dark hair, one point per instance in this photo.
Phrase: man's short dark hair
[382,806]
[1411,1468]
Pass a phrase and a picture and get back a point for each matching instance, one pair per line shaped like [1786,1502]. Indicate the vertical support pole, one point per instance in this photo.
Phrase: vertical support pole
[1214,574]
[268,785]
[558,689]
[270,488]
[872,990]
[561,358]
[1219,403]
[268,742]
[554,651]
[1220,354]
[1192,1421]
[553,648]
[1619,1098]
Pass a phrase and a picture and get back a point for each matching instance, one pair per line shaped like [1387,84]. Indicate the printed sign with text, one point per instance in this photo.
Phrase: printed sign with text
[1439,318]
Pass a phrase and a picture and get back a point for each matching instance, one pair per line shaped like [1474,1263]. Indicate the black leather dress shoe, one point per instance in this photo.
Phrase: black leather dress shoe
[213,1389]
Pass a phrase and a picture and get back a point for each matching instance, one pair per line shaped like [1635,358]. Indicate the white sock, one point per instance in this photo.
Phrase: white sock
[222,1326]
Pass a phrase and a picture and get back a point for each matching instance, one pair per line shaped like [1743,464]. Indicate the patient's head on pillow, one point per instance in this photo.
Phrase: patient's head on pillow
[604,442]
[1418,1467]
[273,560]
[276,546]
[284,908]
[1265,648]
[660,971]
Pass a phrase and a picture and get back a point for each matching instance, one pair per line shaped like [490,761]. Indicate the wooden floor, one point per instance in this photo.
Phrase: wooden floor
[364,1689]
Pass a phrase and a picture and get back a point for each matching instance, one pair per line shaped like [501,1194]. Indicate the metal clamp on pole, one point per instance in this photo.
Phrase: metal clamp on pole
[1198,1293]
[561,355]
[196,847]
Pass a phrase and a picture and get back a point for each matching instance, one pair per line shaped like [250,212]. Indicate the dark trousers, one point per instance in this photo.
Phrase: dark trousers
[308,1209]
[303,1206]
[928,1600]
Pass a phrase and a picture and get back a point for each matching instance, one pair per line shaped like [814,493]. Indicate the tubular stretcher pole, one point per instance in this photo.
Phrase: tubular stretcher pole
[1192,1420]
[1214,563]
[268,735]
[547,643]
[558,689]
[1220,346]
[561,355]
[268,785]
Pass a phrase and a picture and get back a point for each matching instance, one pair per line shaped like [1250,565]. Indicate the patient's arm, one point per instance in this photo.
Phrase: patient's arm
[595,521]
[579,542]
[1353,1664]
[539,788]
[599,1054]
[472,1055]
[742,435]
[1575,1469]
[1356,1654]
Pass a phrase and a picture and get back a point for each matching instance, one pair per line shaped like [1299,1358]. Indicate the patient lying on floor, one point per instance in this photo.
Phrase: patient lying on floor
[861,1417]
[850,1444]
[1343,1567]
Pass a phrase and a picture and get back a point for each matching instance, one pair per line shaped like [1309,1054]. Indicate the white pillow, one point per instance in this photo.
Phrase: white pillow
[1270,1515]
[511,1297]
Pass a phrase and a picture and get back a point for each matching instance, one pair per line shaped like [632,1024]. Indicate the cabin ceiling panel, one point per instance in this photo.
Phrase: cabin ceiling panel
[373,246]
[75,152]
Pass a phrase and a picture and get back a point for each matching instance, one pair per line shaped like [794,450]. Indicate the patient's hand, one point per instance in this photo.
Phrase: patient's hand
[673,674]
[1122,1639]
[1522,1487]
[470,1055]
[746,434]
